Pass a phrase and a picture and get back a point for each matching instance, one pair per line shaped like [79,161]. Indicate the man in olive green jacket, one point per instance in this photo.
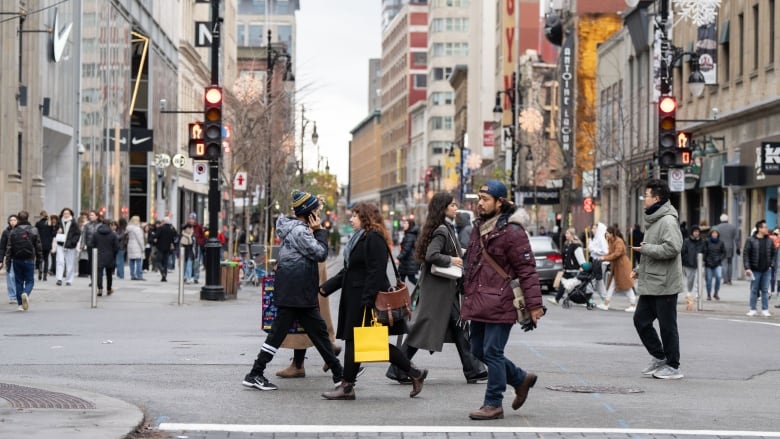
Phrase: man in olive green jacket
[660,281]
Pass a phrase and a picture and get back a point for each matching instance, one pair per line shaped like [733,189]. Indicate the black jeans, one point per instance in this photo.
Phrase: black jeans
[663,309]
[109,276]
[162,262]
[314,325]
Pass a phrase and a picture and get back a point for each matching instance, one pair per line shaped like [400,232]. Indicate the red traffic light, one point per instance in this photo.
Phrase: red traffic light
[667,105]
[213,95]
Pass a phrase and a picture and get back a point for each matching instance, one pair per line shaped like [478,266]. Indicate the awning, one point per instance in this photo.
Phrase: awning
[712,170]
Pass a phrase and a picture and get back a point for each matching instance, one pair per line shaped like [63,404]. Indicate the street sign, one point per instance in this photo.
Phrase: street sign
[179,160]
[200,172]
[239,183]
[163,160]
[676,180]
[203,36]
[587,204]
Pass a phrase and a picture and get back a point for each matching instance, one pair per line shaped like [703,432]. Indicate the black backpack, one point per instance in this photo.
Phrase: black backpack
[21,238]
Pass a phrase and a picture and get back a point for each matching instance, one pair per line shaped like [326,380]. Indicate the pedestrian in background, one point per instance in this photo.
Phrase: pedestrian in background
[88,237]
[199,236]
[363,276]
[121,233]
[692,247]
[296,285]
[407,265]
[149,233]
[714,254]
[24,252]
[729,234]
[165,240]
[106,242]
[636,238]
[68,239]
[758,257]
[437,316]
[10,279]
[136,247]
[499,243]
[620,267]
[463,227]
[659,282]
[573,258]
[54,223]
[187,241]
[46,233]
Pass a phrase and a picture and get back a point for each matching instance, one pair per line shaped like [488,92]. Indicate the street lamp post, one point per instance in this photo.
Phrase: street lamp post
[314,138]
[511,94]
[272,56]
[461,163]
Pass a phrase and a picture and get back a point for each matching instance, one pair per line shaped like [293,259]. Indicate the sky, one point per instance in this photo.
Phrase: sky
[335,39]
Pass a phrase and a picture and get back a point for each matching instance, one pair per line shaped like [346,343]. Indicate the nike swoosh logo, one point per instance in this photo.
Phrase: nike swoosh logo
[59,38]
[141,140]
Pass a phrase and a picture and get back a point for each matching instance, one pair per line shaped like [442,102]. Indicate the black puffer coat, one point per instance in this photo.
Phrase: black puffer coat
[297,274]
[750,254]
[714,253]
[107,244]
[407,264]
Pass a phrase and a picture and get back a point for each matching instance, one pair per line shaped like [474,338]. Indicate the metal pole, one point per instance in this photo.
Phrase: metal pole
[268,83]
[94,276]
[303,133]
[181,274]
[700,281]
[213,289]
[513,101]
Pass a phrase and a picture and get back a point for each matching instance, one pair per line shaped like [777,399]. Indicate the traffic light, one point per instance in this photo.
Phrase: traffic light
[667,132]
[196,147]
[683,150]
[212,122]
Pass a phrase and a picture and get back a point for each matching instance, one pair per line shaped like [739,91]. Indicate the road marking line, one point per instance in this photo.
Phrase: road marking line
[246,428]
[745,321]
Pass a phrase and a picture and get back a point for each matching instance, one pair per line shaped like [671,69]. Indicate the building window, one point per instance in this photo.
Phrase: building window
[771,59]
[756,50]
[438,147]
[741,30]
[436,123]
[450,49]
[448,122]
[251,7]
[255,35]
[441,98]
[241,34]
[456,24]
[419,59]
[284,35]
[282,7]
[440,74]
[420,81]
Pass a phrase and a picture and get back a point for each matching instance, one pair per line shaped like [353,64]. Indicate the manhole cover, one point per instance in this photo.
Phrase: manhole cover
[615,343]
[21,397]
[596,389]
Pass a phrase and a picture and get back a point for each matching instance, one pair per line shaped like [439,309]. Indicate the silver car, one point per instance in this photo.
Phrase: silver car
[549,260]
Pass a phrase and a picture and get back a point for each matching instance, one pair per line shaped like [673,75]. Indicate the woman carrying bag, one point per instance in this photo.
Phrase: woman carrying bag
[433,324]
[363,276]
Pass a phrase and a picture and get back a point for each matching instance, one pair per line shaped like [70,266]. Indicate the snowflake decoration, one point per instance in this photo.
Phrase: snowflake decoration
[700,12]
[530,120]
[474,161]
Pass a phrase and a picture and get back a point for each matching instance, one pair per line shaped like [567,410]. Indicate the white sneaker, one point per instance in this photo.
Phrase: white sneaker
[631,308]
[667,372]
[602,307]
[765,313]
[19,308]
[752,313]
[552,300]
[25,301]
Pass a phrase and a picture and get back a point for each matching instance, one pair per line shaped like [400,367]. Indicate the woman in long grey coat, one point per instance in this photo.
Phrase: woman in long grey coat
[135,247]
[438,310]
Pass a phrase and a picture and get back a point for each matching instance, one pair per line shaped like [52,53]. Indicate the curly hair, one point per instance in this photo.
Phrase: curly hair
[371,219]
[437,208]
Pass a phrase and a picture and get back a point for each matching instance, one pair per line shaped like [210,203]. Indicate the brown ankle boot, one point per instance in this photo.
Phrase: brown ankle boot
[345,391]
[417,383]
[486,413]
[292,372]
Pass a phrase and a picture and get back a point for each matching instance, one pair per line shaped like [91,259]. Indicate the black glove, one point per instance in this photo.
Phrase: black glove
[529,324]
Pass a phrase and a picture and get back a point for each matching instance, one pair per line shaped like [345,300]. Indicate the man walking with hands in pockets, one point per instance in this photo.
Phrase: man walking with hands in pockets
[660,281]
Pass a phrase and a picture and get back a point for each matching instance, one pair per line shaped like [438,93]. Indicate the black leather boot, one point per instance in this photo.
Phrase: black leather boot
[345,391]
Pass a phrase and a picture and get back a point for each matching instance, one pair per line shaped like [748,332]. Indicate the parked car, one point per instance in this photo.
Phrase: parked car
[549,260]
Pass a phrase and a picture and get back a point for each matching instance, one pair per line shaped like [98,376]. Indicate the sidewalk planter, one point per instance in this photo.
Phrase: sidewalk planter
[229,277]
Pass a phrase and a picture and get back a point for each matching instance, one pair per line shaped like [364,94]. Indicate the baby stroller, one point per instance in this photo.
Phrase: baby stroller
[579,289]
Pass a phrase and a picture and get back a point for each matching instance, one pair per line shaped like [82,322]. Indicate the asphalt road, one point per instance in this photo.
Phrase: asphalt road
[184,365]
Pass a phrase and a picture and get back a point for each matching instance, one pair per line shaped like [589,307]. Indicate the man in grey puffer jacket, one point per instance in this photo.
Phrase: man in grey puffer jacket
[296,288]
[660,281]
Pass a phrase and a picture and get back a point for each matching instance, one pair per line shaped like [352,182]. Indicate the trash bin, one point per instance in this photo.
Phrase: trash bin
[229,276]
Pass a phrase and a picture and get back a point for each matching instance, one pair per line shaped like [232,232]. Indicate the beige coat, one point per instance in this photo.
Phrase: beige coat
[619,264]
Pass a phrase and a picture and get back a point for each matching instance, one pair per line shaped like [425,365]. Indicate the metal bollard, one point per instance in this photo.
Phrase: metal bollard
[94,276]
[181,275]
[700,281]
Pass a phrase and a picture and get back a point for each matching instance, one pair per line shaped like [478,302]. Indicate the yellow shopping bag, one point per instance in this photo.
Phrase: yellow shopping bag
[371,342]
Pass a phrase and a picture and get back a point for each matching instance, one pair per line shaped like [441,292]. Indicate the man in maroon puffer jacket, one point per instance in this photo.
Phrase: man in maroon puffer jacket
[488,299]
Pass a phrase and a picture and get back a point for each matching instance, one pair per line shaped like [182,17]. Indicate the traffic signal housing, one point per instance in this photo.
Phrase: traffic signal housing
[212,122]
[667,132]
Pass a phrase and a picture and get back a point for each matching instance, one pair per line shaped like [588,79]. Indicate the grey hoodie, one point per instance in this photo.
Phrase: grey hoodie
[660,271]
[297,275]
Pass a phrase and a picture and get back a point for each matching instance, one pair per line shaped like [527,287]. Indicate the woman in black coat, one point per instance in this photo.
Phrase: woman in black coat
[363,276]
[407,266]
[714,253]
[107,244]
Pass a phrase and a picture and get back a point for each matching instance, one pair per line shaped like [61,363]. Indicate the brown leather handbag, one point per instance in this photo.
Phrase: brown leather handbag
[394,304]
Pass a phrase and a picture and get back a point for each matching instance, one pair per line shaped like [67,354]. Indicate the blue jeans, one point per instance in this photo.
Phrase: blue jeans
[120,264]
[760,281]
[188,270]
[196,263]
[487,344]
[136,268]
[10,281]
[716,272]
[24,271]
